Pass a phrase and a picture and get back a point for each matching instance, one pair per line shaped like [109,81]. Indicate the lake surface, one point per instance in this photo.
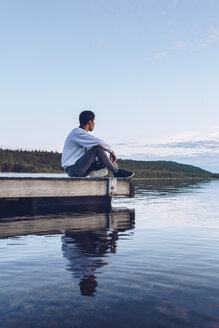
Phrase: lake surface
[153,263]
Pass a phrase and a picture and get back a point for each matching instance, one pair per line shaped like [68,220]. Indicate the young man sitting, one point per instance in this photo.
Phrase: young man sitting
[84,154]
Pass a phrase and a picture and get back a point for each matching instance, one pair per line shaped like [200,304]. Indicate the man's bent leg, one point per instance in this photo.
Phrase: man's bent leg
[80,168]
[104,159]
[84,165]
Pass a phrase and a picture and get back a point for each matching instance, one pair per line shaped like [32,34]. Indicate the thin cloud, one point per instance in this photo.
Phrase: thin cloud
[159,55]
[202,144]
[208,40]
[178,46]
[175,3]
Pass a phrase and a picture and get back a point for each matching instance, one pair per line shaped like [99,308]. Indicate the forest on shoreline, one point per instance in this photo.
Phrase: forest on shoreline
[23,161]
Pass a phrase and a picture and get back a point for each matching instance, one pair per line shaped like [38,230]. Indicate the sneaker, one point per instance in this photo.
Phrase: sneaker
[123,174]
[99,173]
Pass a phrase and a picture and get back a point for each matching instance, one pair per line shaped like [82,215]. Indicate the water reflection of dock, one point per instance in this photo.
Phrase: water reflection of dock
[86,239]
[55,224]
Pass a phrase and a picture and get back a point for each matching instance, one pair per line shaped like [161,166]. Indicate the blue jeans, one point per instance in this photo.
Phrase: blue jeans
[87,163]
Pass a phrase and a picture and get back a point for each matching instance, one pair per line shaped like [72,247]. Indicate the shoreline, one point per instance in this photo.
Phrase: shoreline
[44,174]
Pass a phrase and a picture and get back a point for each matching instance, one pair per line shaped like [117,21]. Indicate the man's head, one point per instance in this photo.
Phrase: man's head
[86,119]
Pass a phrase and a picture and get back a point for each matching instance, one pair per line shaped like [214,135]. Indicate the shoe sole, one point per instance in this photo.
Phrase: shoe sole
[98,174]
[126,177]
[131,175]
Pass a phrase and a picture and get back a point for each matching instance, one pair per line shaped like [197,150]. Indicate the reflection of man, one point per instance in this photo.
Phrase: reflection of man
[85,251]
[84,154]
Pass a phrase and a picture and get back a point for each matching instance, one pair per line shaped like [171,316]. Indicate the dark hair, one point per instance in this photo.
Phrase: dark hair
[86,116]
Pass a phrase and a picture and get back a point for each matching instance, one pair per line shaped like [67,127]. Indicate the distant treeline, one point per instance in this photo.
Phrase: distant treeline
[162,169]
[30,161]
[50,162]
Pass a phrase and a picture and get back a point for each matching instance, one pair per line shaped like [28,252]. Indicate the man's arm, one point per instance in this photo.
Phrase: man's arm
[86,140]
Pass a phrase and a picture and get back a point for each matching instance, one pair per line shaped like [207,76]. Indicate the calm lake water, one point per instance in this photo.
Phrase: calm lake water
[155,263]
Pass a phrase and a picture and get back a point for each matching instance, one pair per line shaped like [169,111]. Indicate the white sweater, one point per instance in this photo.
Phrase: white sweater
[77,142]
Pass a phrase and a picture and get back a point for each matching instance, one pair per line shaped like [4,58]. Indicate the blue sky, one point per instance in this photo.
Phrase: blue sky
[148,69]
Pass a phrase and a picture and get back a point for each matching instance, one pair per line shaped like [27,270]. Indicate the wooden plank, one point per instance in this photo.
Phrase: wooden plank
[63,187]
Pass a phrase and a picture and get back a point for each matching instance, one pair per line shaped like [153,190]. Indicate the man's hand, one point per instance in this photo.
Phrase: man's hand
[113,158]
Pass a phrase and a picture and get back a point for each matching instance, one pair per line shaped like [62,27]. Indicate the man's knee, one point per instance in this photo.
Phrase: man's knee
[99,149]
[94,149]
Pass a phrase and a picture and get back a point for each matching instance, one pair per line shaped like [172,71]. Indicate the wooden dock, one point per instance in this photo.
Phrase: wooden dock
[22,195]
